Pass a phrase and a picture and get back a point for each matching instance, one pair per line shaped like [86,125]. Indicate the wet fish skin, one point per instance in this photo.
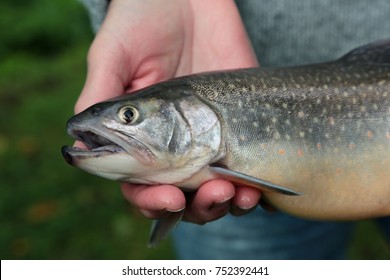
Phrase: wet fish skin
[320,130]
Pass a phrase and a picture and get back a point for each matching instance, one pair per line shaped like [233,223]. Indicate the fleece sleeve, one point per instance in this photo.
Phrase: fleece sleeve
[97,10]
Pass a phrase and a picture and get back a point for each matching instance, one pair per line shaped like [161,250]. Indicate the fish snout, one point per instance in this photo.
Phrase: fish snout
[66,154]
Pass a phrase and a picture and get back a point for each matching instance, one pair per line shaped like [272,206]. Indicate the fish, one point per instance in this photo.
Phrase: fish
[314,138]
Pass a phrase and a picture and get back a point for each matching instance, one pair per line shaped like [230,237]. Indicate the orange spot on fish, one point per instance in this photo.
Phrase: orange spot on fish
[300,153]
[388,135]
[369,134]
[338,171]
[319,146]
[282,152]
[263,146]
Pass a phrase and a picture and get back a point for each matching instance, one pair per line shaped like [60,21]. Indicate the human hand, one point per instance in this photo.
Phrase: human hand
[144,42]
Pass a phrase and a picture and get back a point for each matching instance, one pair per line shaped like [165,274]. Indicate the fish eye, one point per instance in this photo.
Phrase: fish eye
[128,114]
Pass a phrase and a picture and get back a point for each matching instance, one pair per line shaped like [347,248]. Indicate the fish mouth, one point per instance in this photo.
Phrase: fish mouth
[99,144]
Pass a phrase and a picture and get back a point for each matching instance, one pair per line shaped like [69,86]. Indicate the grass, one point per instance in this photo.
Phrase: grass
[49,210]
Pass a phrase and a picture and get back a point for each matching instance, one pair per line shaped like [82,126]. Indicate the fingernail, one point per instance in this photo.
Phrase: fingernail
[173,210]
[239,211]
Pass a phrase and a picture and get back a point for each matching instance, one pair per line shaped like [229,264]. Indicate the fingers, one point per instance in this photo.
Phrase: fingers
[210,202]
[155,201]
[105,76]
[245,200]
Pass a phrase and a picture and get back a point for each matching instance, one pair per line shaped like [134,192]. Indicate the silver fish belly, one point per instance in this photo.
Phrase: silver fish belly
[321,131]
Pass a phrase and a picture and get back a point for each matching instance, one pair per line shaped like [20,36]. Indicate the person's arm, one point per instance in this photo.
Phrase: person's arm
[143,42]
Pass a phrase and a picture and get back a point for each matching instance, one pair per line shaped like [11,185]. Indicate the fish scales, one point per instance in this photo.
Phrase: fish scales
[321,131]
[310,135]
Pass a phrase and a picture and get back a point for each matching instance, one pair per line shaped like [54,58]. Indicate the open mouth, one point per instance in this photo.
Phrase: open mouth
[100,144]
[95,142]
[96,145]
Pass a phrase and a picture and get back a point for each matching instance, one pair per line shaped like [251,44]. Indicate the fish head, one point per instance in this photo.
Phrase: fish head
[159,135]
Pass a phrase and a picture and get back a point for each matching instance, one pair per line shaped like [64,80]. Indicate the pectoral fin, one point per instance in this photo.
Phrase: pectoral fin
[241,178]
[163,226]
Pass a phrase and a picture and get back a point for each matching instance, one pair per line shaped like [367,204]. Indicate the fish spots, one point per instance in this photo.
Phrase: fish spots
[253,88]
[243,138]
[301,114]
[388,135]
[326,135]
[282,152]
[300,153]
[301,134]
[256,124]
[351,146]
[274,120]
[338,171]
[332,121]
[234,120]
[287,122]
[370,134]
[319,146]
[284,105]
[276,135]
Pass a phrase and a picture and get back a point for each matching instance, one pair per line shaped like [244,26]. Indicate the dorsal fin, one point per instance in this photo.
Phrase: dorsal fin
[375,53]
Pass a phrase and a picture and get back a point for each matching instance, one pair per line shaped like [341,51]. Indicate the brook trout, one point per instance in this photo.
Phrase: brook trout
[315,138]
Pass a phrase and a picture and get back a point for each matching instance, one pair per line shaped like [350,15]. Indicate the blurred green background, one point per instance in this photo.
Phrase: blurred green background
[49,210]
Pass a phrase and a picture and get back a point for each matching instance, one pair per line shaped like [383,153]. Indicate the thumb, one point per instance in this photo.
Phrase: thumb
[106,74]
